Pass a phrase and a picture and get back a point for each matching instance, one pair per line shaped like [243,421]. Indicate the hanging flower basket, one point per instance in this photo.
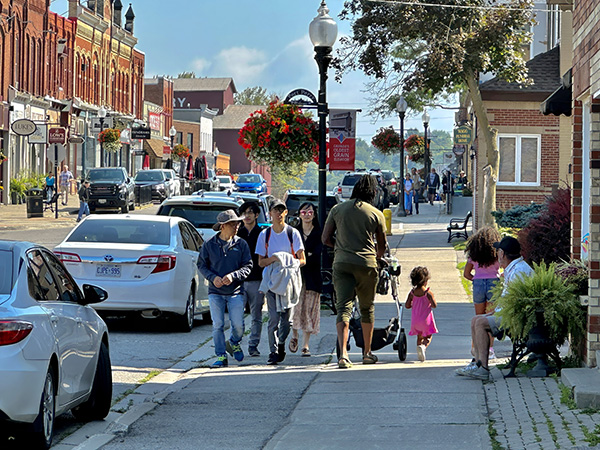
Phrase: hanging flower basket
[181,151]
[110,139]
[281,136]
[415,147]
[2,157]
[387,141]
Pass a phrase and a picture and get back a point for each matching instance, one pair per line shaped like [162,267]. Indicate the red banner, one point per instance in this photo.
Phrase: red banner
[342,139]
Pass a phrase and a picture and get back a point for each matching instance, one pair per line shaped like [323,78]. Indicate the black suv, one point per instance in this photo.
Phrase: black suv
[294,198]
[111,188]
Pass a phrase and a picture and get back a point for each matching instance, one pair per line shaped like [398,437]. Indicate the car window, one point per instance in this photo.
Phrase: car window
[66,286]
[149,176]
[351,180]
[100,175]
[168,175]
[224,179]
[122,231]
[6,272]
[196,237]
[39,277]
[201,216]
[186,237]
[248,179]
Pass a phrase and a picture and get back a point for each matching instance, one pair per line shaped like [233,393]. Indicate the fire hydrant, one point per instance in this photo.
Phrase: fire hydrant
[387,213]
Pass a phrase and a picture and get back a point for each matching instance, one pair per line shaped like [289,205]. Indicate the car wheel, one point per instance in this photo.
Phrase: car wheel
[97,406]
[186,320]
[125,209]
[43,427]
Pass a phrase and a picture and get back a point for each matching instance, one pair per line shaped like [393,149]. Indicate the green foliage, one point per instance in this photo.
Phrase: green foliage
[544,290]
[508,231]
[282,180]
[517,216]
[26,180]
[467,192]
[576,273]
[187,75]
[255,95]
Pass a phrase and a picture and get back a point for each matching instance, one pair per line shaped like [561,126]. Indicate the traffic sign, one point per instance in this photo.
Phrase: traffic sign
[51,151]
[23,127]
[57,135]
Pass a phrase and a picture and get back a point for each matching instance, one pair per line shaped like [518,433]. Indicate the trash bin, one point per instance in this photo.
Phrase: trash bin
[35,203]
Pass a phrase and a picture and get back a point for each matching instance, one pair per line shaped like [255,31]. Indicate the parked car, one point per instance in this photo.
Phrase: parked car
[111,188]
[148,265]
[172,182]
[54,348]
[251,182]
[263,200]
[225,183]
[157,180]
[351,178]
[294,198]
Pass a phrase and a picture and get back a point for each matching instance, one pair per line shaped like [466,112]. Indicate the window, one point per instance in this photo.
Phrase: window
[520,160]
[41,282]
[179,137]
[190,142]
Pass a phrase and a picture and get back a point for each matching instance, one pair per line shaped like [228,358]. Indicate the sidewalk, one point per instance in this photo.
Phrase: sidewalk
[14,217]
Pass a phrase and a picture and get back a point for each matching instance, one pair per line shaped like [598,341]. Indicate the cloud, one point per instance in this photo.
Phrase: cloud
[200,66]
[245,65]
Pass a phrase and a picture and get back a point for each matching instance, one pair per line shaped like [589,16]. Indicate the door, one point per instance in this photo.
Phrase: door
[190,253]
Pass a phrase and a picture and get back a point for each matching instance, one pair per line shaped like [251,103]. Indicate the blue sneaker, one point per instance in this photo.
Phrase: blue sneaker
[220,362]
[235,350]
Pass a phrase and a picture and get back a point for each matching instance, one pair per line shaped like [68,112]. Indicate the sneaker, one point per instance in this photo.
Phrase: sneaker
[492,354]
[220,362]
[273,359]
[281,352]
[423,350]
[253,351]
[464,370]
[238,353]
[420,354]
[479,373]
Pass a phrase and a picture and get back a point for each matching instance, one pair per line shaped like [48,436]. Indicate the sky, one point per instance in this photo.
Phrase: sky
[257,43]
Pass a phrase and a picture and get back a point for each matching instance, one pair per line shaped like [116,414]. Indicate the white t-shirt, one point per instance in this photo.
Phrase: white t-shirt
[279,242]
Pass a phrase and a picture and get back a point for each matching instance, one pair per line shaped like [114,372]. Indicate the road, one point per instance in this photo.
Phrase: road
[138,350]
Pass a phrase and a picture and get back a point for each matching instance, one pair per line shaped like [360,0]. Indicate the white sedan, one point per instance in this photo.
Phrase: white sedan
[148,265]
[54,349]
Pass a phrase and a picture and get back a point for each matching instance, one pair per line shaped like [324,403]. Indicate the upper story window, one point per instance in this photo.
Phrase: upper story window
[520,160]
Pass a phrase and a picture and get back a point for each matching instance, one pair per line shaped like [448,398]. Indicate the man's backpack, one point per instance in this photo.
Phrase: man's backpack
[290,235]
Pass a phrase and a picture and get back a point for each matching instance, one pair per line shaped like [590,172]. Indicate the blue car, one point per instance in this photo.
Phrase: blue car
[251,182]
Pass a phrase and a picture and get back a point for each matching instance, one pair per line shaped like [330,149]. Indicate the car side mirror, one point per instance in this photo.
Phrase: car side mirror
[293,221]
[93,294]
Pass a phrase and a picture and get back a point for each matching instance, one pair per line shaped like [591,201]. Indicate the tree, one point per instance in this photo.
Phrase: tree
[256,95]
[428,50]
[187,75]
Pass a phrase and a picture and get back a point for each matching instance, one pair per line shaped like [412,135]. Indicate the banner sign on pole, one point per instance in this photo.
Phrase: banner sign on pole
[342,139]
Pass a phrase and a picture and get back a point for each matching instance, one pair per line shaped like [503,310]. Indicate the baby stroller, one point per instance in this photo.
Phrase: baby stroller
[393,333]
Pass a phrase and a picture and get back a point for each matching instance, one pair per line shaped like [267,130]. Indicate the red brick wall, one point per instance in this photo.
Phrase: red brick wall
[189,127]
[587,48]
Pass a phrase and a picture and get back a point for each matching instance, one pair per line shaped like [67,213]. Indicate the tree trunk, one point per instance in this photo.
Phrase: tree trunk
[492,155]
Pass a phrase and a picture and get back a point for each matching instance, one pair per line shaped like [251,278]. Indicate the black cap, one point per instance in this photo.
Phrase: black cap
[509,245]
[276,203]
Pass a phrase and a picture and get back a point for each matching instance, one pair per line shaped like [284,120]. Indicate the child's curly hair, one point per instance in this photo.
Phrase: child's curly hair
[419,276]
[480,246]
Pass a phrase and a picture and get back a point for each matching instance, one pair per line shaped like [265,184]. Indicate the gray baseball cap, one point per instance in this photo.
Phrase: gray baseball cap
[226,217]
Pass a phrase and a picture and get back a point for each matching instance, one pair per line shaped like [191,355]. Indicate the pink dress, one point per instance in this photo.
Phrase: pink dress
[422,321]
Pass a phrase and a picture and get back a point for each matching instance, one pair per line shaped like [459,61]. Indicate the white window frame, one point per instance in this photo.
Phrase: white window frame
[518,138]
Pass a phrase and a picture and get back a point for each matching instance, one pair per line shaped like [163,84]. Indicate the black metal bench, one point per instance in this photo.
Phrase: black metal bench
[458,227]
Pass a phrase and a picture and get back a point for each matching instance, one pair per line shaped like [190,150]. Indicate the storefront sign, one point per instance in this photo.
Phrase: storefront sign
[154,121]
[23,127]
[57,135]
[40,135]
[463,135]
[342,139]
[166,150]
[140,133]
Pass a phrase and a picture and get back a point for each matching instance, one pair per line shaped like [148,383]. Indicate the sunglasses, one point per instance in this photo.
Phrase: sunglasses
[307,213]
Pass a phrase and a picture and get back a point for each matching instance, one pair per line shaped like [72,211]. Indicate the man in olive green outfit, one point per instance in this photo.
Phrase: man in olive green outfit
[355,223]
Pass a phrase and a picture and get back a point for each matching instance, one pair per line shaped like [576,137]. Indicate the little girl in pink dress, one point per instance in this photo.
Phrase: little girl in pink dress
[422,302]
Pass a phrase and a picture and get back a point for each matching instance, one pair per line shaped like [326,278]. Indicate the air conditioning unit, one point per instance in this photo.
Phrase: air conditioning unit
[61,48]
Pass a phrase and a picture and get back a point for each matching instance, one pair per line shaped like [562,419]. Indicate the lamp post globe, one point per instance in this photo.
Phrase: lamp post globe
[172,133]
[401,107]
[426,119]
[101,115]
[323,33]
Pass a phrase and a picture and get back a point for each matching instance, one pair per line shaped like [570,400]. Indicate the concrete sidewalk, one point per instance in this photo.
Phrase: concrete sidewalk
[14,217]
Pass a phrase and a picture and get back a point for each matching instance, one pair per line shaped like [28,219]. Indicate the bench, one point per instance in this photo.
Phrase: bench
[458,227]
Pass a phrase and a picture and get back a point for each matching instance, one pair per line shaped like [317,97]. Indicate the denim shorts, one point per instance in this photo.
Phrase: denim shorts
[482,289]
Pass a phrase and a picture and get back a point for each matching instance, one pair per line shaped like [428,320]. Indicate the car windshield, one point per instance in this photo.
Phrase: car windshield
[122,231]
[168,175]
[149,176]
[6,272]
[351,180]
[202,216]
[224,179]
[387,175]
[99,175]
[248,179]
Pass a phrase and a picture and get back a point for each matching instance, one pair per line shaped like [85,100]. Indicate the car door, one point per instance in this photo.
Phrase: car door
[202,285]
[189,254]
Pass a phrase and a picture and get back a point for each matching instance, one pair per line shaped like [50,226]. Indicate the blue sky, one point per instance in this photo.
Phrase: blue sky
[260,42]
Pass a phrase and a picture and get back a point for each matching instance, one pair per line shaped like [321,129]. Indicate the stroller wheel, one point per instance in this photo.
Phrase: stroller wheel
[402,345]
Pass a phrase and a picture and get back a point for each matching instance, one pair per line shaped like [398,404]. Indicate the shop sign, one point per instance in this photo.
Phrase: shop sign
[154,121]
[57,135]
[463,135]
[23,127]
[40,135]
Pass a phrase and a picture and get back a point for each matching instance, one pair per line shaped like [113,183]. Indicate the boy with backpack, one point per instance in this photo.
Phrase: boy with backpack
[281,252]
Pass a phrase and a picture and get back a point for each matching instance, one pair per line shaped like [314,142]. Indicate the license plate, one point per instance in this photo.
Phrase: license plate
[102,201]
[108,270]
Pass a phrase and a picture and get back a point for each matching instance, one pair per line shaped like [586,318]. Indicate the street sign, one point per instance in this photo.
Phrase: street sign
[299,97]
[166,150]
[140,133]
[139,152]
[40,135]
[463,135]
[75,140]
[23,127]
[57,135]
[51,152]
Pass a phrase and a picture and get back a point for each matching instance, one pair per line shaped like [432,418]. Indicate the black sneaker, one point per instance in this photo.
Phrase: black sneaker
[253,351]
[273,359]
[281,351]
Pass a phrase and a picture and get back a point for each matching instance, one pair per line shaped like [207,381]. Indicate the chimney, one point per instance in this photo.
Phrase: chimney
[73,8]
[129,16]
[117,12]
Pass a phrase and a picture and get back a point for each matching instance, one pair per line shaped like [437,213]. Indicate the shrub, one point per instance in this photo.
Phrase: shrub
[576,273]
[467,192]
[517,216]
[548,236]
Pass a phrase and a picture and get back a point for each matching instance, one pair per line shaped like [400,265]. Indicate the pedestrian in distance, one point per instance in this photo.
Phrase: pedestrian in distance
[422,302]
[359,230]
[253,298]
[50,186]
[484,326]
[307,313]
[482,259]
[432,182]
[417,185]
[225,261]
[84,198]
[64,182]
[408,194]
[281,252]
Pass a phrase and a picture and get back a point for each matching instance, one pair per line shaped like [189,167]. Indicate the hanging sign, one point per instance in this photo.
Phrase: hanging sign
[23,127]
[463,135]
[342,139]
[40,135]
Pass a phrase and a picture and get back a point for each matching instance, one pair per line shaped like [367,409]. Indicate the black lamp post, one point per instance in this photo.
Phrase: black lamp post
[102,115]
[172,133]
[323,33]
[425,119]
[401,106]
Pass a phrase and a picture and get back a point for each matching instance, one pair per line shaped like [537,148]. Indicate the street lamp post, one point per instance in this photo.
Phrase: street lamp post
[323,33]
[172,133]
[102,115]
[426,143]
[401,106]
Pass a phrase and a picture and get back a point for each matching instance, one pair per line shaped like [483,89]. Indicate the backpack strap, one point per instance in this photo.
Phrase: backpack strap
[267,237]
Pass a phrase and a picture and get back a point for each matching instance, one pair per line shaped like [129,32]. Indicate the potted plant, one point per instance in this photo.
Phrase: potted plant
[387,141]
[110,139]
[181,151]
[17,190]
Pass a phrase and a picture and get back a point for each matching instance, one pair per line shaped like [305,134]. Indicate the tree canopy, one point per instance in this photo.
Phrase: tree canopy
[255,95]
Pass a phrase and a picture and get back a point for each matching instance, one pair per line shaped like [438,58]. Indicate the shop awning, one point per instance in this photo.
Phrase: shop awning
[560,101]
[154,147]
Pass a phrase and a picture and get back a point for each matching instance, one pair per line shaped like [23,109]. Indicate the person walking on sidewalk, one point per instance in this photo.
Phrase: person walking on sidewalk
[307,313]
[253,298]
[64,183]
[408,194]
[84,198]
[482,326]
[281,251]
[225,261]
[483,259]
[432,182]
[50,186]
[355,223]
[416,178]
[421,301]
